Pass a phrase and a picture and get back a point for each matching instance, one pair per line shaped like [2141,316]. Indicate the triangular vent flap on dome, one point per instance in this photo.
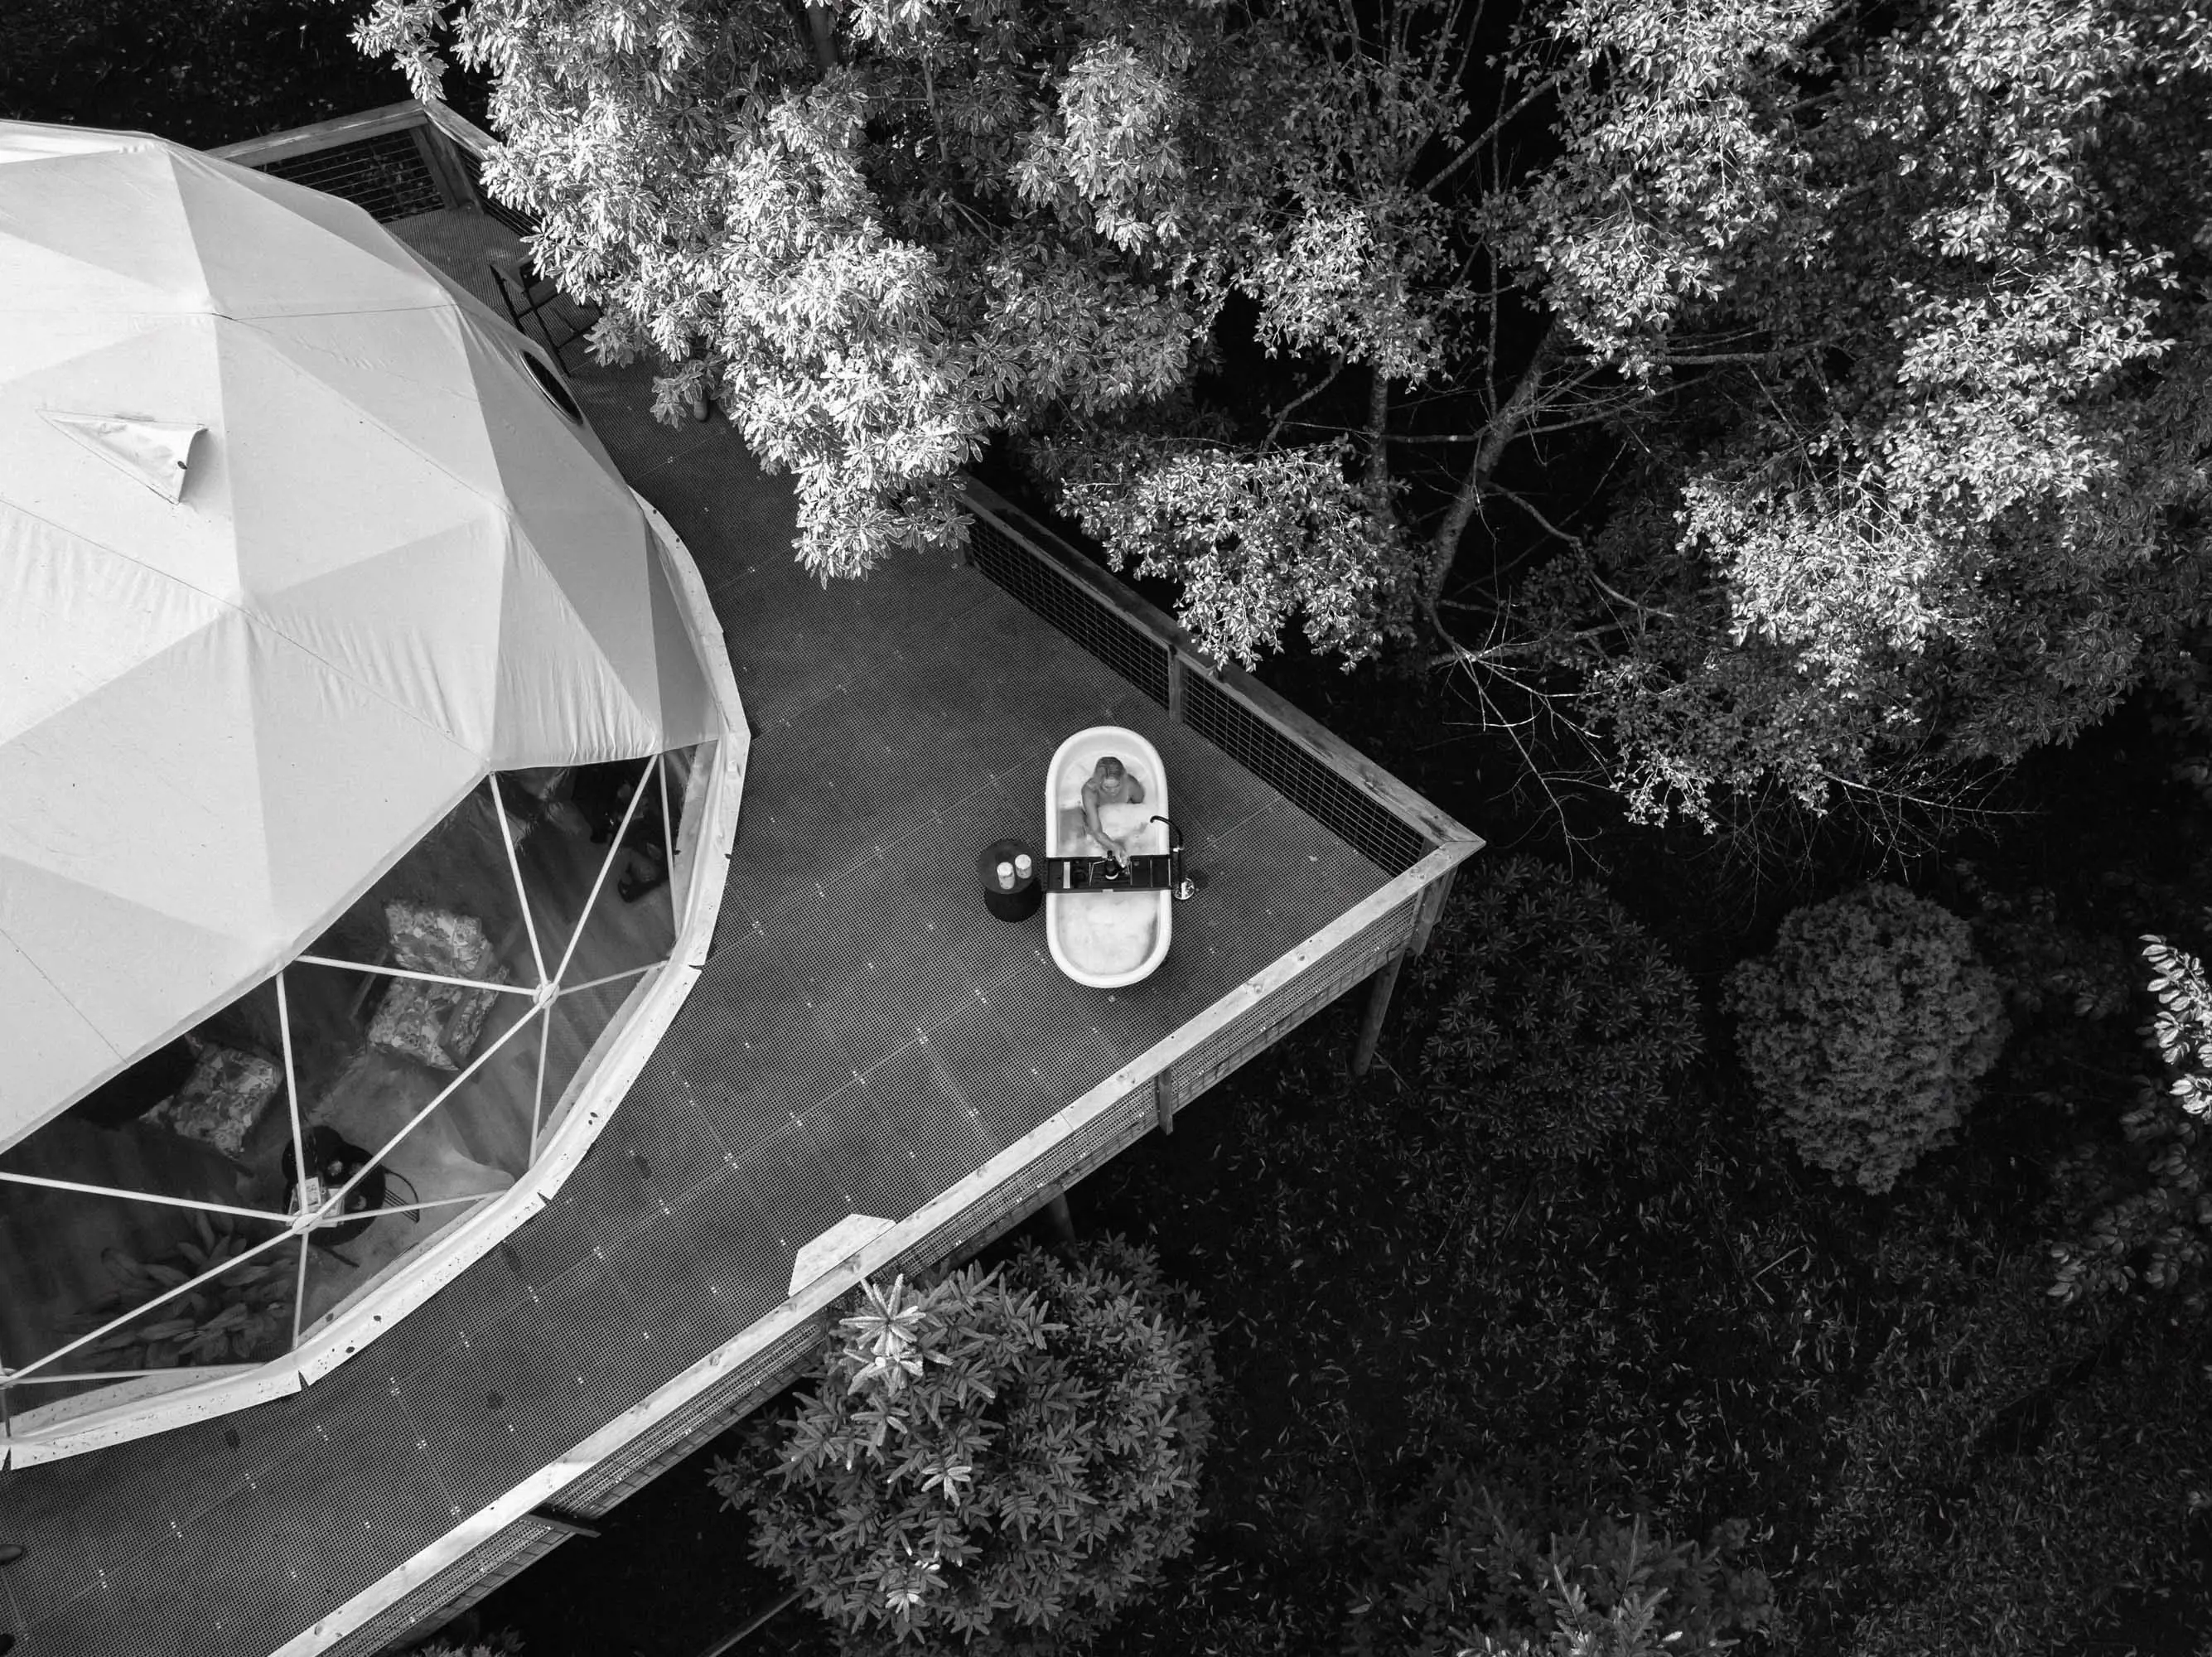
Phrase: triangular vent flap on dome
[155,452]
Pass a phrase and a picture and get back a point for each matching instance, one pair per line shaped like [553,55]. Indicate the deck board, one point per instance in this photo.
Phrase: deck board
[863,1036]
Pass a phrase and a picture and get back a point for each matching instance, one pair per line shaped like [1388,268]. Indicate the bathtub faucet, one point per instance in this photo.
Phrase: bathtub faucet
[1185,885]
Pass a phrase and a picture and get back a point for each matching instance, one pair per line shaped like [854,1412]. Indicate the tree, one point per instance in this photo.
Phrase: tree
[1948,501]
[1828,384]
[2153,1221]
[999,1462]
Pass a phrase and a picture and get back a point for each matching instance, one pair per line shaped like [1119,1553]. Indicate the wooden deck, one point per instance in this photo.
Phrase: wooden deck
[865,1039]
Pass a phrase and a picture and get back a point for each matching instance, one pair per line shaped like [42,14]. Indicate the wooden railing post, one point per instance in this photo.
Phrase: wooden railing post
[1174,683]
[1166,1097]
[442,156]
[1432,906]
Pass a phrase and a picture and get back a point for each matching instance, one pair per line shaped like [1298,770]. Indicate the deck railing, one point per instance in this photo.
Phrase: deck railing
[1415,845]
[396,161]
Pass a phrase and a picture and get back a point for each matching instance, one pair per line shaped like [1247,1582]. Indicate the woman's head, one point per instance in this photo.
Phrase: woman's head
[1109,769]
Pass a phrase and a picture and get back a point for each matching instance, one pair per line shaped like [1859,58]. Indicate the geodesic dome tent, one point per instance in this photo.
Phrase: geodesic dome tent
[346,693]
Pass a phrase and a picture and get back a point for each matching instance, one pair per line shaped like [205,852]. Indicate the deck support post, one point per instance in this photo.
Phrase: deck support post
[1166,1097]
[1063,1223]
[1378,1008]
[1174,683]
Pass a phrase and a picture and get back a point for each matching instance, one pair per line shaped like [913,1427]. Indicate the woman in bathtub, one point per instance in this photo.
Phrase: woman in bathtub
[1109,784]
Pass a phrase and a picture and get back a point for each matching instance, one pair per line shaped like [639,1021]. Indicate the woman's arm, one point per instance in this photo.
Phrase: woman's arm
[1097,826]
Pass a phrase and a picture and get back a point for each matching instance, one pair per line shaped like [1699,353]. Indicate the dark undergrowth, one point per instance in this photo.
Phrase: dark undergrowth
[1929,1453]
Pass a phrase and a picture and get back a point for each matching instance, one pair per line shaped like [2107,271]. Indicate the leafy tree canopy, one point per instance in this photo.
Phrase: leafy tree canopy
[1835,373]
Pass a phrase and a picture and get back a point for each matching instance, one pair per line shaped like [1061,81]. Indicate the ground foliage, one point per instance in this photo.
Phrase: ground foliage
[1486,1572]
[2150,1212]
[996,1463]
[213,72]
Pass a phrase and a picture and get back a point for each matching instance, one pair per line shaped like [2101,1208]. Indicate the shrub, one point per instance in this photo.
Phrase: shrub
[505,1643]
[1488,1576]
[1001,1461]
[1556,1017]
[1867,1029]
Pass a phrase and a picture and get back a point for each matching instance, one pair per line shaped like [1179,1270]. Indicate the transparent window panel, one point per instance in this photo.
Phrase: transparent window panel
[574,1024]
[414,1147]
[122,1294]
[408,1043]
[600,840]
[685,773]
[199,1120]
[449,906]
[76,1258]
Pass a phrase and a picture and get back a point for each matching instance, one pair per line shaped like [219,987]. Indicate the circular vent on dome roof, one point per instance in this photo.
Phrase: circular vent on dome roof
[550,383]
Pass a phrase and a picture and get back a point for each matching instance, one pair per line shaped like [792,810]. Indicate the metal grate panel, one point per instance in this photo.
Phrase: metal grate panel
[386,174]
[1141,660]
[1380,835]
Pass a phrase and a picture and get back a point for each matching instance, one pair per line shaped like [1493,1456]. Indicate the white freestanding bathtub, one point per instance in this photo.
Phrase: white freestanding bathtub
[1106,939]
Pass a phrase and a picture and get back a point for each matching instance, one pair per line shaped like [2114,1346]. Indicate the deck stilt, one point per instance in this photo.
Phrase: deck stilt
[1378,1008]
[1063,1222]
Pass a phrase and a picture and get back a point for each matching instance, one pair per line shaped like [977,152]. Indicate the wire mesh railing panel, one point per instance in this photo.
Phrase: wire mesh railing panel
[735,1396]
[491,1564]
[1378,834]
[521,223]
[1137,657]
[387,174]
[1267,1022]
[1208,707]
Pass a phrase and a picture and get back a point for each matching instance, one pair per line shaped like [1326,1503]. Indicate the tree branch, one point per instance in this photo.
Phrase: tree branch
[1499,431]
[1476,145]
[1300,401]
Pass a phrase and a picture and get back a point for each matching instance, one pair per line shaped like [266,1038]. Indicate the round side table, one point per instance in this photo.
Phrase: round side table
[1020,902]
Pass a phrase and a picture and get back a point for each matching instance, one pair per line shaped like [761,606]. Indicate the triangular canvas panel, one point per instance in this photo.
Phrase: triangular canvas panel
[99,230]
[405,372]
[560,700]
[263,257]
[69,478]
[74,617]
[60,1050]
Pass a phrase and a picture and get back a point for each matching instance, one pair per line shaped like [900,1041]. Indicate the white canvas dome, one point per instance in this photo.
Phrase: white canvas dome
[295,550]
